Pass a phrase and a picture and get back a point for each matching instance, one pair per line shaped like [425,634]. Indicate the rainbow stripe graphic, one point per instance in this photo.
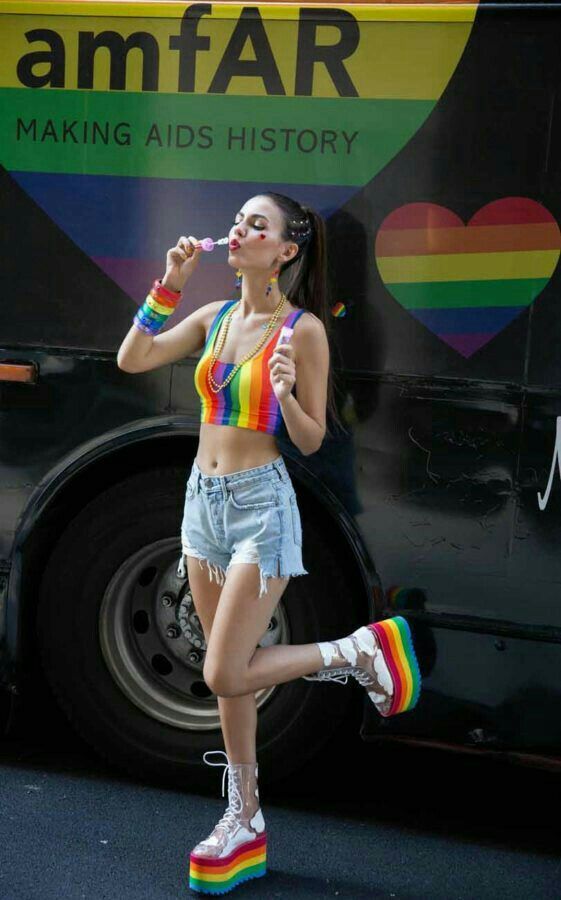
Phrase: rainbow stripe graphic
[467,283]
[248,401]
[394,636]
[394,596]
[218,876]
[338,310]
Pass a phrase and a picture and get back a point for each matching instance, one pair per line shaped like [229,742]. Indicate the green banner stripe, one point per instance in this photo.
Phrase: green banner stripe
[450,294]
[279,139]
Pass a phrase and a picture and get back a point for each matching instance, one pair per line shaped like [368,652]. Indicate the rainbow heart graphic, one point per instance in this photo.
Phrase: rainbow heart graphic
[468,282]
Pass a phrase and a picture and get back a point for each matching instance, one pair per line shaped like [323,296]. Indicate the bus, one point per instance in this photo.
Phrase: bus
[428,135]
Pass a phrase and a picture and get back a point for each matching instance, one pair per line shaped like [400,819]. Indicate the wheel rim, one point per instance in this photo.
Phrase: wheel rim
[153,644]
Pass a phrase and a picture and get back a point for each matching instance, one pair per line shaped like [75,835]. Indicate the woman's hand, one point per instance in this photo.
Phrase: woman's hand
[181,262]
[282,371]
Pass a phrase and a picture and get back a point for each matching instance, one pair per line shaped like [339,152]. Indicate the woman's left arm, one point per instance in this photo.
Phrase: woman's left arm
[307,353]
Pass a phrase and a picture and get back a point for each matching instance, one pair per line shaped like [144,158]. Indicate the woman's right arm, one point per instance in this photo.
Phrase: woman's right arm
[141,352]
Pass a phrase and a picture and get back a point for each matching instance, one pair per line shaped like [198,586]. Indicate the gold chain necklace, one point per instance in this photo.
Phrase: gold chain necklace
[217,349]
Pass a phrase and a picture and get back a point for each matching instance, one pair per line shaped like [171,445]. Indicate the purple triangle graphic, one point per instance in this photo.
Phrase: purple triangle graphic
[467,344]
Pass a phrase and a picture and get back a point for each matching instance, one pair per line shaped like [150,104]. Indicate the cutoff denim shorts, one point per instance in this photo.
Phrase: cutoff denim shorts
[247,516]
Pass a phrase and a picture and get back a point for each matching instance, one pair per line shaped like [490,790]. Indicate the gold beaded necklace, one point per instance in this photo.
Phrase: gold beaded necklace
[217,349]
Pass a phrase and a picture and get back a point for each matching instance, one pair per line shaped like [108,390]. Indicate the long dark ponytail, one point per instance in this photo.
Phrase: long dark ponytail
[304,277]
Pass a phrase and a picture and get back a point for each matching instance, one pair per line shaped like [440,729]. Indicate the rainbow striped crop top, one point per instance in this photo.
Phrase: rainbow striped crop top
[248,401]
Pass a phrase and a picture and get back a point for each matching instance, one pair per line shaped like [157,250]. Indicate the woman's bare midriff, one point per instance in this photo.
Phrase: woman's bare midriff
[227,448]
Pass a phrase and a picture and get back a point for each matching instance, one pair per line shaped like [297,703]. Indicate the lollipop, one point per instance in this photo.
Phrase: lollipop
[208,244]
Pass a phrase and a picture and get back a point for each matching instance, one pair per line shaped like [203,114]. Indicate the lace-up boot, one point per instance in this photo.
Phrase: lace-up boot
[236,850]
[381,657]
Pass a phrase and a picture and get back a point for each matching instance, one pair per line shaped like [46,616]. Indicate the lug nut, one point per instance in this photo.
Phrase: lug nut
[168,600]
[173,631]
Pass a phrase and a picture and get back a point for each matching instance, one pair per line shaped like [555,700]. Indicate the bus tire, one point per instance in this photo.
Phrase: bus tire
[87,604]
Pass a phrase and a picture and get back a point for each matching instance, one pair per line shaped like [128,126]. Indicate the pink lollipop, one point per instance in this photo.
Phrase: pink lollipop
[208,244]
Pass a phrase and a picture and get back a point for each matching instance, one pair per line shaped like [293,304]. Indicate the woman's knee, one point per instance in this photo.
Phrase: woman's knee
[223,681]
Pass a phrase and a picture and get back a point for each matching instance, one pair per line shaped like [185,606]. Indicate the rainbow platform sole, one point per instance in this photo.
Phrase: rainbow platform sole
[218,876]
[395,640]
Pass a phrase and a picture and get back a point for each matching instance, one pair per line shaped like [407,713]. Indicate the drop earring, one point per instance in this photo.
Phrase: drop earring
[238,279]
[272,280]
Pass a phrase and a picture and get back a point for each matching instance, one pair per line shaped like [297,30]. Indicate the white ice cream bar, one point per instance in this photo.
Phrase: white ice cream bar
[285,335]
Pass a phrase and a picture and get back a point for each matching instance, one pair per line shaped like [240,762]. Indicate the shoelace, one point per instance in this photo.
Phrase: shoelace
[341,675]
[363,678]
[235,804]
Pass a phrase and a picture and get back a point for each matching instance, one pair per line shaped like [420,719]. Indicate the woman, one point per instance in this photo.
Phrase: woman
[241,516]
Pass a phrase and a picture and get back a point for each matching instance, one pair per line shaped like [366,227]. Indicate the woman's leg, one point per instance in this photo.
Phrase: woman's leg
[238,719]
[238,715]
[383,663]
[234,665]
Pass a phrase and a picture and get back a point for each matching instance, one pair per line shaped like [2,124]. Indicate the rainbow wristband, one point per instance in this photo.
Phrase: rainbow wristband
[154,324]
[149,318]
[151,313]
[152,303]
[164,302]
[165,292]
[147,329]
[153,328]
[158,306]
[148,315]
[142,327]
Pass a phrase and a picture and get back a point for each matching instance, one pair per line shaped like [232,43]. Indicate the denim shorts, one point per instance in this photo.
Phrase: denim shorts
[247,516]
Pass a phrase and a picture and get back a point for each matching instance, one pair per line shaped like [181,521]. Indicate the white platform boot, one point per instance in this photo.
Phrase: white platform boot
[236,850]
[381,657]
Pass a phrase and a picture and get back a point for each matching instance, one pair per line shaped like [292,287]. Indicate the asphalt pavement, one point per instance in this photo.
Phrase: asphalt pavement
[361,822]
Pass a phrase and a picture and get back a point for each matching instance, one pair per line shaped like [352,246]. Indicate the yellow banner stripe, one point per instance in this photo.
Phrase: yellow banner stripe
[407,60]
[467,266]
[367,12]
